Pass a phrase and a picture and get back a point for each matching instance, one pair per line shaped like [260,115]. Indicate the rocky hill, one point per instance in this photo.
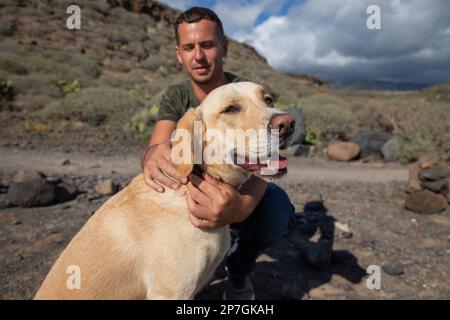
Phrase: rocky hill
[101,84]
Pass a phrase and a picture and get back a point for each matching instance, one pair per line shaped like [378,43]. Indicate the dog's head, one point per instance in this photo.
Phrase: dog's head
[234,133]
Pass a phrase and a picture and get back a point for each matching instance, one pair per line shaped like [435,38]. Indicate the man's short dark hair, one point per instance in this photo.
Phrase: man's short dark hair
[196,14]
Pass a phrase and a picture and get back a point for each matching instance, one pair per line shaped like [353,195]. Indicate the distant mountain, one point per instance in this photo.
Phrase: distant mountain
[378,85]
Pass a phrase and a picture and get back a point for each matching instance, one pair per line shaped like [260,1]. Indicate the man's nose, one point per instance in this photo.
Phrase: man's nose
[284,123]
[199,54]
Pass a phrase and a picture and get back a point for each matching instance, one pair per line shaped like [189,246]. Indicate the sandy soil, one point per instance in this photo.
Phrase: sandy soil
[368,197]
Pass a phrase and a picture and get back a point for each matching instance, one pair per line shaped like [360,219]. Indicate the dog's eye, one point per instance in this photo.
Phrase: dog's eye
[231,109]
[268,98]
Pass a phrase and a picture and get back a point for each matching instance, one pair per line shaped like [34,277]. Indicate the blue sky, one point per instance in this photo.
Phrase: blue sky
[330,38]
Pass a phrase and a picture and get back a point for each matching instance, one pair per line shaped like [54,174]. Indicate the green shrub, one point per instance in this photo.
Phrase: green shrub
[143,121]
[327,118]
[422,125]
[413,147]
[37,84]
[112,108]
[6,90]
[13,64]
[69,87]
[153,62]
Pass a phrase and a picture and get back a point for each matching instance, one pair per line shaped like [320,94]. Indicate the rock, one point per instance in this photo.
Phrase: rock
[429,159]
[106,187]
[31,193]
[426,201]
[300,128]
[370,142]
[54,179]
[27,175]
[5,202]
[368,240]
[439,186]
[434,173]
[342,151]
[394,269]
[414,184]
[389,150]
[65,192]
[66,162]
[325,291]
[4,185]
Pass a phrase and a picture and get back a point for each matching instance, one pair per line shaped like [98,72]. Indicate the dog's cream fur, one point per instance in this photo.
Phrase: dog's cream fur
[140,244]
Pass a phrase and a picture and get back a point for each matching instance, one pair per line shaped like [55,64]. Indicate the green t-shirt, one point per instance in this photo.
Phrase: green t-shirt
[180,97]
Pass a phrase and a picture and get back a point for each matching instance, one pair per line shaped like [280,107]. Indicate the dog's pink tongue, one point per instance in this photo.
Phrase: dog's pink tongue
[282,164]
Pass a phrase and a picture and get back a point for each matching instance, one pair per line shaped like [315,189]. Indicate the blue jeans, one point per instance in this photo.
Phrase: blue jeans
[268,223]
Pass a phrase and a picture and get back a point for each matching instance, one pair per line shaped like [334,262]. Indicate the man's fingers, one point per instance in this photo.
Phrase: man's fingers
[167,167]
[209,189]
[199,223]
[198,195]
[152,184]
[194,208]
[163,179]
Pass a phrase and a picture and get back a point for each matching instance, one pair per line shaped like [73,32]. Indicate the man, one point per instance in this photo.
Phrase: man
[259,211]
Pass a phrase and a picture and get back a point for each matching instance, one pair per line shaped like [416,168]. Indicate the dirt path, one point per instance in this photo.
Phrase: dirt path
[367,197]
[300,169]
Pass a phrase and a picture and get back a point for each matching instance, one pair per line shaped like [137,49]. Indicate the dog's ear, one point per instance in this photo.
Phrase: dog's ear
[183,140]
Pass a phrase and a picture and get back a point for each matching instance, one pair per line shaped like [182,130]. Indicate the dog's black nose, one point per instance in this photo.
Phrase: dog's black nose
[285,123]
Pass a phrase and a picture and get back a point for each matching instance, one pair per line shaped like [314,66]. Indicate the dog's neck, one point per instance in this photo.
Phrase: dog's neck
[224,173]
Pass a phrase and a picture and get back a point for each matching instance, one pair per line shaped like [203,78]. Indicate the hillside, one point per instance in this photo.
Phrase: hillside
[101,84]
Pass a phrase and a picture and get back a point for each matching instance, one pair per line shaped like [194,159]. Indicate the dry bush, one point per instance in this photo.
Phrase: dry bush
[423,126]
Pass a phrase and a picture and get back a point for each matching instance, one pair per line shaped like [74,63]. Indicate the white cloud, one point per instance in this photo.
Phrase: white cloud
[180,4]
[239,16]
[330,38]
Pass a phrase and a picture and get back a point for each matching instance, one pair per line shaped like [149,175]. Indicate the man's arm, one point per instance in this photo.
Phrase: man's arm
[161,133]
[155,159]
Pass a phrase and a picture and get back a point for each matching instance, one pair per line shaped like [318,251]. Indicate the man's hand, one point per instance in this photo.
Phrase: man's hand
[213,204]
[158,169]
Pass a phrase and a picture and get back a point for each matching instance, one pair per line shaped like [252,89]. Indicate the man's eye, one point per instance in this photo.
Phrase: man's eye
[207,45]
[231,109]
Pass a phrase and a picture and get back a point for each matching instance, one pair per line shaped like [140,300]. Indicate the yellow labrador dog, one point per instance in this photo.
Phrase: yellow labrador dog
[140,244]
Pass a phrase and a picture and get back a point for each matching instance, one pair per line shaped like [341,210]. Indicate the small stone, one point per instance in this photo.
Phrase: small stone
[434,173]
[426,201]
[414,184]
[438,186]
[106,187]
[342,151]
[66,162]
[428,160]
[17,222]
[394,269]
[27,175]
[389,150]
[369,240]
[65,192]
[31,193]
[347,235]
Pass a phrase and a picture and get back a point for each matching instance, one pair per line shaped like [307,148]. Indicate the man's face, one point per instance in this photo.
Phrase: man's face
[200,50]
